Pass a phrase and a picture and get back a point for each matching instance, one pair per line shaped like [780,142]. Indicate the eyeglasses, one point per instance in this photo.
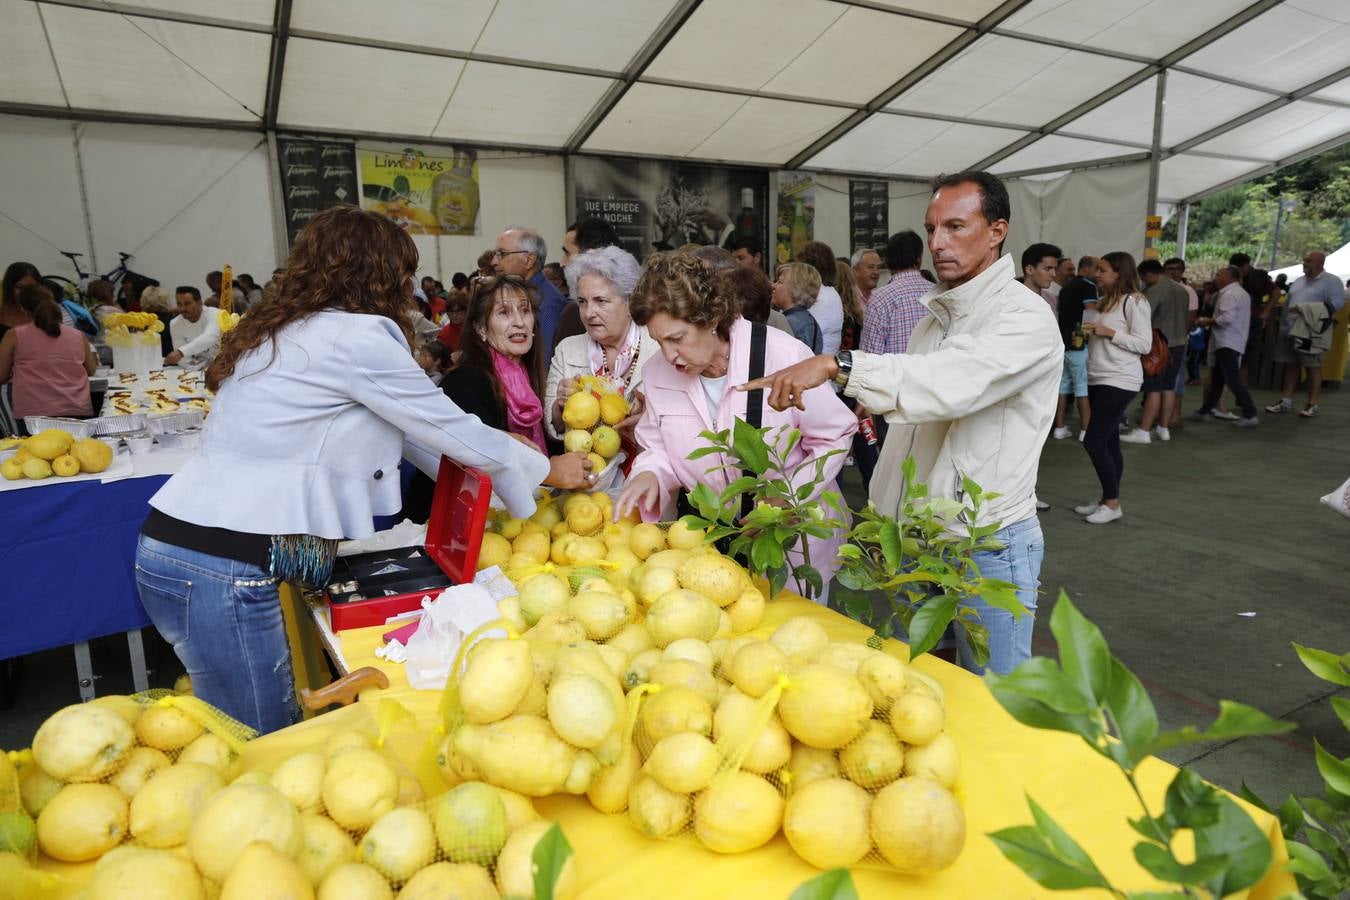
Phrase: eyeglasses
[497,253]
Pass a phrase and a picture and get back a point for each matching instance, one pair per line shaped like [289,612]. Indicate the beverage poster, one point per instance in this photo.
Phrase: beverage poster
[660,205]
[314,176]
[425,192]
[869,214]
[796,214]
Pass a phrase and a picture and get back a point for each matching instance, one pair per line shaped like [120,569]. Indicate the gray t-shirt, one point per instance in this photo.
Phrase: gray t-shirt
[1169,302]
[1325,288]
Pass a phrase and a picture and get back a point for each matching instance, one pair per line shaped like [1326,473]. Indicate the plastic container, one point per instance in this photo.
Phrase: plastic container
[459,512]
[139,444]
[124,424]
[177,421]
[76,428]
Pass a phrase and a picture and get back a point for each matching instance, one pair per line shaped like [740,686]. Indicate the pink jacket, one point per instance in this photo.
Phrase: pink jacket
[676,413]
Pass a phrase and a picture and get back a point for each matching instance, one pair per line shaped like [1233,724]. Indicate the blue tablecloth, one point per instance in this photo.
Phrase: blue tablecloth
[67,562]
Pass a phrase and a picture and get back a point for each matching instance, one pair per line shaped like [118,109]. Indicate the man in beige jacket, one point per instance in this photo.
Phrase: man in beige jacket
[973,396]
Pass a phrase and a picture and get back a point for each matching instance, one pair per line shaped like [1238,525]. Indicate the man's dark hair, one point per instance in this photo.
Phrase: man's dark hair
[459,281]
[1239,260]
[750,244]
[592,234]
[214,276]
[994,202]
[1150,267]
[1033,255]
[1176,261]
[188,289]
[904,250]
[752,288]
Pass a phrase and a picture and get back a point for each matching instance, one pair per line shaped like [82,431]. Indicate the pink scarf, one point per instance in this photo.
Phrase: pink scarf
[524,412]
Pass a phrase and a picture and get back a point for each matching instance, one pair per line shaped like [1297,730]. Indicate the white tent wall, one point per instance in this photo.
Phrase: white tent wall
[185,201]
[40,210]
[1093,211]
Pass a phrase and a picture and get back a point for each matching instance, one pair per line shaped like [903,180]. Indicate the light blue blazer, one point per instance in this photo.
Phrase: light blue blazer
[309,442]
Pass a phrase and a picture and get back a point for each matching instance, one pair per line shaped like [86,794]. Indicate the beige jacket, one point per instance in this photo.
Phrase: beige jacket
[973,396]
[572,359]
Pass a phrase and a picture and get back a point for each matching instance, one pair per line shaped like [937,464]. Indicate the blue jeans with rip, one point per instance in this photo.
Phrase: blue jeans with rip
[223,618]
[1020,563]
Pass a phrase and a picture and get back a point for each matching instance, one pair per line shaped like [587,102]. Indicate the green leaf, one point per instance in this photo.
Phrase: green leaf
[1335,772]
[1190,802]
[794,437]
[836,884]
[1238,839]
[549,857]
[1082,649]
[1326,666]
[1305,861]
[1246,793]
[811,577]
[977,639]
[1291,816]
[1342,707]
[705,500]
[1065,847]
[749,447]
[1039,678]
[737,487]
[777,579]
[1163,865]
[766,554]
[999,594]
[1235,720]
[1029,850]
[889,539]
[858,607]
[929,623]
[1130,707]
[702,452]
[1149,827]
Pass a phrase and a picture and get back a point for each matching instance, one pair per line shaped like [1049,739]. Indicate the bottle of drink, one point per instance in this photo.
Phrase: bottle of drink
[798,226]
[747,223]
[454,196]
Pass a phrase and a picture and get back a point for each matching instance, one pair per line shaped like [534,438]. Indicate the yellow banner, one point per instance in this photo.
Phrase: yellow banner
[425,193]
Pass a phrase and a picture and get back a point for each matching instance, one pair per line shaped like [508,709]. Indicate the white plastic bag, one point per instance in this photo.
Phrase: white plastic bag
[1339,499]
[447,620]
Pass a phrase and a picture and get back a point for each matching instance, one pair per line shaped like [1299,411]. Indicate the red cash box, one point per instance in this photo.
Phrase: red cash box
[390,582]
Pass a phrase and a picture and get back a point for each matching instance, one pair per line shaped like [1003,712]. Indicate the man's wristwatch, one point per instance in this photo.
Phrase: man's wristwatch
[844,360]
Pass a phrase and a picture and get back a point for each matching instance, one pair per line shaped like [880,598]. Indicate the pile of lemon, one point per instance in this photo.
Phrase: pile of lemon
[54,452]
[591,415]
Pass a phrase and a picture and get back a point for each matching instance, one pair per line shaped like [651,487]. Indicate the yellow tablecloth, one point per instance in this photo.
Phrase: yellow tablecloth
[1002,762]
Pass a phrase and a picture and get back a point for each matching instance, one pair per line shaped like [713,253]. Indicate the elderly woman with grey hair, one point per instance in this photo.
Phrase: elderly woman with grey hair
[614,347]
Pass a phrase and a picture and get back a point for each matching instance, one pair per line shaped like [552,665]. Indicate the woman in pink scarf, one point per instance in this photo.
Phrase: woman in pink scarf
[499,372]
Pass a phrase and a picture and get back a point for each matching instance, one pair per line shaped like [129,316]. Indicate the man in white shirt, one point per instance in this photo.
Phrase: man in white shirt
[1316,285]
[867,273]
[1064,273]
[193,332]
[1229,327]
[828,309]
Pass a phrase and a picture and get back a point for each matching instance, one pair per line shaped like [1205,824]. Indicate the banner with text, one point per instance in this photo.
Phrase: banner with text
[425,192]
[659,205]
[869,215]
[314,176]
[796,214]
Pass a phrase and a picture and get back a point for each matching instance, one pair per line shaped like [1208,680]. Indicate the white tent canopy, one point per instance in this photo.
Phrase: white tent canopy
[1224,90]
[1337,263]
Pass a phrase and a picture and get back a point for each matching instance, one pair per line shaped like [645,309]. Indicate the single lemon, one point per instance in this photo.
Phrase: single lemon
[917,825]
[827,823]
[738,812]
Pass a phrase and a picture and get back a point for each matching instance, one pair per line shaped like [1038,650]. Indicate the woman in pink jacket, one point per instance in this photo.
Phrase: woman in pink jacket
[690,388]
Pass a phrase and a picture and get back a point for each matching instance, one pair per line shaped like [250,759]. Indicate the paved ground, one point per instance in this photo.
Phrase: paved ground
[1219,523]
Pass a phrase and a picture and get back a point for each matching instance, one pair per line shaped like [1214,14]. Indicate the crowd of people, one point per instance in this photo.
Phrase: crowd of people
[967,369]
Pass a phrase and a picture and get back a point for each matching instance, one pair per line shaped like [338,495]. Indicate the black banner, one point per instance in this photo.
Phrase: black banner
[314,176]
[869,215]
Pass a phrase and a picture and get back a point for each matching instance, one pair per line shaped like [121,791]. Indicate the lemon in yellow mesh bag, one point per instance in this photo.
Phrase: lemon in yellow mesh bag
[141,764]
[874,759]
[325,847]
[238,816]
[462,881]
[739,811]
[682,614]
[471,823]
[520,753]
[496,680]
[300,780]
[809,764]
[515,865]
[828,823]
[359,786]
[399,843]
[581,710]
[825,707]
[683,763]
[939,760]
[82,822]
[916,717]
[673,710]
[163,810]
[756,667]
[262,870]
[137,873]
[167,728]
[658,811]
[83,743]
[917,825]
[685,673]
[354,881]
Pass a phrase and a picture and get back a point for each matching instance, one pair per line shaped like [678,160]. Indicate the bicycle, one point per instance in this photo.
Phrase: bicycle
[115,275]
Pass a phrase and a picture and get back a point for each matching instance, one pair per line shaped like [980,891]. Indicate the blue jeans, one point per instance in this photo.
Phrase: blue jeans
[224,620]
[1019,562]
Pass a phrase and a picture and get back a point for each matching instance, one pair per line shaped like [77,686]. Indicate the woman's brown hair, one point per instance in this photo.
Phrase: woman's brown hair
[752,289]
[37,301]
[474,351]
[682,287]
[345,259]
[1127,281]
[847,286]
[820,257]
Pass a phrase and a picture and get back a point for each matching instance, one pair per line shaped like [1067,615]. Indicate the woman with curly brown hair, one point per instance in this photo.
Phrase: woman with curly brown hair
[317,399]
[706,351]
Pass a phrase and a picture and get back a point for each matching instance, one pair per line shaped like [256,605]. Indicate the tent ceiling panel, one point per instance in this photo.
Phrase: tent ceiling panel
[1340,91]
[364,88]
[1054,150]
[1182,175]
[254,12]
[1007,80]
[569,33]
[1289,46]
[535,107]
[768,131]
[908,145]
[1283,132]
[663,121]
[27,73]
[110,61]
[1193,105]
[1150,28]
[743,43]
[964,10]
[451,24]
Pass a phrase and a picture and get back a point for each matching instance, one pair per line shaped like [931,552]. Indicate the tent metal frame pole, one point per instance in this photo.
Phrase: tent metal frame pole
[75,128]
[915,75]
[674,20]
[1329,144]
[276,66]
[161,15]
[1103,163]
[1155,155]
[276,190]
[1183,227]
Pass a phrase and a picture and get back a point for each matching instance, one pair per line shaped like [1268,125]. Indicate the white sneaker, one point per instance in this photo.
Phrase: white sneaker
[1136,436]
[1087,509]
[1103,515]
[1226,416]
[1041,504]
[1061,433]
[1162,434]
[1082,434]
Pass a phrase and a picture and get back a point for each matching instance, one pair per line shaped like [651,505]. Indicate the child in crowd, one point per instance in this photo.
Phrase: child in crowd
[434,358]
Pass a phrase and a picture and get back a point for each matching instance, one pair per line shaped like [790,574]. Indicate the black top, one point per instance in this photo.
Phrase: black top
[471,390]
[254,549]
[1071,299]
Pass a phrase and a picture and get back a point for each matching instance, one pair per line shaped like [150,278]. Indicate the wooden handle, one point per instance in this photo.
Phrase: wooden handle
[345,690]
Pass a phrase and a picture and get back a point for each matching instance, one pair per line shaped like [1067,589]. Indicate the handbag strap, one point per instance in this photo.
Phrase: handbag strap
[754,401]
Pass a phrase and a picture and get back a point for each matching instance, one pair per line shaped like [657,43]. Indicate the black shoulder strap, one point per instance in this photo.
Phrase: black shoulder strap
[754,401]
